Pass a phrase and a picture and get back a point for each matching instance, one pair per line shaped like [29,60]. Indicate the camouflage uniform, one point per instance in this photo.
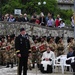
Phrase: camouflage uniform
[42,48]
[60,48]
[53,47]
[0,52]
[14,52]
[34,52]
[30,61]
[71,43]
[9,55]
[3,52]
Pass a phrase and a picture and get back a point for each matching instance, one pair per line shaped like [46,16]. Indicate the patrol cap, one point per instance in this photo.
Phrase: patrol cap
[22,29]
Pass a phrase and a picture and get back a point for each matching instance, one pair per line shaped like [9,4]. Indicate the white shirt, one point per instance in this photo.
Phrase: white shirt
[49,56]
[61,25]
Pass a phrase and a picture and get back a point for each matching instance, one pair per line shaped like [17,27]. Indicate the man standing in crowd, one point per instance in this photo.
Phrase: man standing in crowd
[22,46]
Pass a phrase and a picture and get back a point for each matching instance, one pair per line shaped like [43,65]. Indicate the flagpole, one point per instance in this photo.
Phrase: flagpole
[74,19]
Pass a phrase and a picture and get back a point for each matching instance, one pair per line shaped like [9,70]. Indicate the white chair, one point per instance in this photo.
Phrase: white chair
[57,62]
[60,62]
[65,65]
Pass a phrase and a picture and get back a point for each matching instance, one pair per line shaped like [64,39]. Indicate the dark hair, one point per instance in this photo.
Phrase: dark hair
[72,47]
[22,29]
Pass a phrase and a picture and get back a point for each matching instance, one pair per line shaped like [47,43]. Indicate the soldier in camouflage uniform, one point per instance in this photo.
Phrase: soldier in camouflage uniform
[0,52]
[52,45]
[13,48]
[70,43]
[9,53]
[8,57]
[42,48]
[60,47]
[3,50]
[30,61]
[34,51]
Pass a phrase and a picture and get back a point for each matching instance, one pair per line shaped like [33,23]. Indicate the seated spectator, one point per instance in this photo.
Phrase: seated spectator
[62,24]
[46,63]
[70,53]
[73,63]
[71,58]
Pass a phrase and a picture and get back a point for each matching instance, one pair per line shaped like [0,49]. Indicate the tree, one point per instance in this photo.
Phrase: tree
[29,6]
[10,6]
[50,6]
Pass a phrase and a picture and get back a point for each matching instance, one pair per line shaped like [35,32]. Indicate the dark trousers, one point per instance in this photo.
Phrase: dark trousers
[22,65]
[9,63]
[49,69]
[73,66]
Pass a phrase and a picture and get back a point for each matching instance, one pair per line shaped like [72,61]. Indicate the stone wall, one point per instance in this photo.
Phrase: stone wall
[7,28]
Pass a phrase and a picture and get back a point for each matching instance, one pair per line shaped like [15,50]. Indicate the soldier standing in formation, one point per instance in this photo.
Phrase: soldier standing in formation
[70,42]
[3,47]
[52,45]
[60,47]
[22,45]
[42,48]
[9,53]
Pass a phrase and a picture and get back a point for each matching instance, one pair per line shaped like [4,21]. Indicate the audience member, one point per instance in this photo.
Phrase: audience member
[26,19]
[11,18]
[72,22]
[42,19]
[62,24]
[50,22]
[33,18]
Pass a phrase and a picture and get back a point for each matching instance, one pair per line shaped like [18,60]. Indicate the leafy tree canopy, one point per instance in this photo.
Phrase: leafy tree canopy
[29,6]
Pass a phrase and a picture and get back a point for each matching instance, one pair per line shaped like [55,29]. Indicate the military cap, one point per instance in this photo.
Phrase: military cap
[22,29]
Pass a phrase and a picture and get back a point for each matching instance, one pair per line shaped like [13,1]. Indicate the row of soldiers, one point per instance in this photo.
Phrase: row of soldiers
[57,45]
[7,50]
[38,46]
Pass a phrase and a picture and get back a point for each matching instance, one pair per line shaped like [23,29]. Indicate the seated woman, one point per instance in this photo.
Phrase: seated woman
[46,63]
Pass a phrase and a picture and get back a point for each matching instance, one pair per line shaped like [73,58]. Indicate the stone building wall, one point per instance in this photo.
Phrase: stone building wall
[7,28]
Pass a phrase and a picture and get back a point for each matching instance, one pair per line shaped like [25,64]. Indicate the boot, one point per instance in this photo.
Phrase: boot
[7,65]
[11,65]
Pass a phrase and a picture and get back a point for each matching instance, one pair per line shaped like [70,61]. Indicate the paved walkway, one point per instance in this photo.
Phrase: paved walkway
[13,71]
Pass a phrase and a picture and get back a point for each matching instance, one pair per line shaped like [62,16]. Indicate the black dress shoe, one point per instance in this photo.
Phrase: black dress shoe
[7,66]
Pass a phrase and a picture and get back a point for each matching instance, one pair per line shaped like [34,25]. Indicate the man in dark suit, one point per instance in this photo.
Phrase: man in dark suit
[71,61]
[22,46]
